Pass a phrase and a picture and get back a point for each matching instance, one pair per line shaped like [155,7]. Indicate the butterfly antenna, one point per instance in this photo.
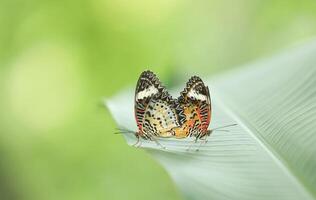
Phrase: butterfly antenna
[123,131]
[218,128]
[223,130]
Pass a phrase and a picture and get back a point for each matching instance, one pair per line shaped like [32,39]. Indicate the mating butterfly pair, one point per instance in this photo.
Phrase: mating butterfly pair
[157,114]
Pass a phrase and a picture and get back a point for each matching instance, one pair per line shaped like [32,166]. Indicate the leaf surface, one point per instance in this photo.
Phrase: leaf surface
[270,154]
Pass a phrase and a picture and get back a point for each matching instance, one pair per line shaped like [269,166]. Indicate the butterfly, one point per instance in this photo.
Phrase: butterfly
[195,102]
[156,112]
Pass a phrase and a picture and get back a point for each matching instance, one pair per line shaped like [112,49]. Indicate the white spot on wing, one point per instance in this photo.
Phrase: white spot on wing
[193,94]
[147,92]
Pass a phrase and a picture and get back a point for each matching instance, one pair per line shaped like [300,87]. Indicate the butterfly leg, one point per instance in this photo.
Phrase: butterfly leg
[208,133]
[138,142]
[202,140]
[192,144]
[158,143]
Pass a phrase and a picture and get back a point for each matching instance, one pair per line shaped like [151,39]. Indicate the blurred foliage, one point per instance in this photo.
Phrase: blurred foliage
[59,58]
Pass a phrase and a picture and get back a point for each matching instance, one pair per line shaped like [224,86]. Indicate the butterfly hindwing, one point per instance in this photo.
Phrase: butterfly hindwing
[160,118]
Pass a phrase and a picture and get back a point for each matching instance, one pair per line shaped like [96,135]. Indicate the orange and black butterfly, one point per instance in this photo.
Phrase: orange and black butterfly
[195,102]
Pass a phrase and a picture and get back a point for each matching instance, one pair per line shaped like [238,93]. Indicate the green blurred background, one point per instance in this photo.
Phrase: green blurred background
[58,59]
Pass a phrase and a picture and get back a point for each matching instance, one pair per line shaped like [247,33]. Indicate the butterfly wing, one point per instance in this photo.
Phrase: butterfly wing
[155,110]
[196,102]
